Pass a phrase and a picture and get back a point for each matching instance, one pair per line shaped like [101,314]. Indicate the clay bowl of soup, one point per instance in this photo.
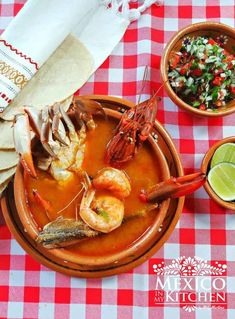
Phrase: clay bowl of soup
[140,225]
[205,168]
[193,74]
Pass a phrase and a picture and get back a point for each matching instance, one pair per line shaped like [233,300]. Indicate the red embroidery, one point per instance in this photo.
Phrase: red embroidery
[19,53]
[4,97]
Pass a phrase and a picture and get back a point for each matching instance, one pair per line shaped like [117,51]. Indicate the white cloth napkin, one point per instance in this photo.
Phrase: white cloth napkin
[42,25]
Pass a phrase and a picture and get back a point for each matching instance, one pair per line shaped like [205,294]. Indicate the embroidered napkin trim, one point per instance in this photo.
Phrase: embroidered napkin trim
[16,69]
[19,53]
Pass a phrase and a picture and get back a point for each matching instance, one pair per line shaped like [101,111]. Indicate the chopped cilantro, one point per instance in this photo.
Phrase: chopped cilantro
[103,213]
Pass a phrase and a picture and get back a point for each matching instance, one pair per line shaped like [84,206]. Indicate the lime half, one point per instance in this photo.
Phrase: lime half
[222,180]
[224,153]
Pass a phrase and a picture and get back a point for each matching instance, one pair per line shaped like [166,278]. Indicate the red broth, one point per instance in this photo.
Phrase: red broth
[143,172]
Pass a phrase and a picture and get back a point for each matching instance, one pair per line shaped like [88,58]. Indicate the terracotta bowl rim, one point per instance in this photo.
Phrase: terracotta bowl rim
[62,253]
[205,167]
[207,25]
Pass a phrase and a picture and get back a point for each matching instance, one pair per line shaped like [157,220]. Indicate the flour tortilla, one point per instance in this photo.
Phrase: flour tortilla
[8,159]
[5,177]
[4,185]
[7,174]
[6,139]
[58,79]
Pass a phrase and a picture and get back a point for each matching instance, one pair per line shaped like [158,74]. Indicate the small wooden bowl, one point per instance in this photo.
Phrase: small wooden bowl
[76,260]
[211,29]
[205,167]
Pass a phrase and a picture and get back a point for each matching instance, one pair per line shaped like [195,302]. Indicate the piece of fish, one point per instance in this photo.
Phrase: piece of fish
[64,232]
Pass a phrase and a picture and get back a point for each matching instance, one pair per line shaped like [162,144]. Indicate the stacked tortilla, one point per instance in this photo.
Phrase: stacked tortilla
[8,156]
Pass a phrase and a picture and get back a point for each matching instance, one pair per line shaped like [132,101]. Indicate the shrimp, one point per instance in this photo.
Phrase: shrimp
[105,212]
[114,180]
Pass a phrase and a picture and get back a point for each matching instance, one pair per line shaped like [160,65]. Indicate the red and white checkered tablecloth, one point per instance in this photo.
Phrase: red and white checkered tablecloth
[29,290]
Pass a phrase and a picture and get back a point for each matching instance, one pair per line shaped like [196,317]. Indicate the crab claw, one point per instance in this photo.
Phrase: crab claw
[22,140]
[85,108]
[88,106]
[173,188]
[57,124]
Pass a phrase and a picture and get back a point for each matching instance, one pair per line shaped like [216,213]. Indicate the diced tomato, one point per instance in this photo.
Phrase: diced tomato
[225,52]
[185,57]
[218,103]
[196,72]
[229,58]
[174,60]
[202,107]
[217,81]
[232,90]
[183,71]
[185,68]
[211,41]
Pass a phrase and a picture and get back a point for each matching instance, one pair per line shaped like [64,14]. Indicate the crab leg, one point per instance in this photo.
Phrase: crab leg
[84,116]
[72,132]
[86,108]
[22,140]
[35,119]
[173,188]
[44,134]
[56,123]
[77,115]
[89,106]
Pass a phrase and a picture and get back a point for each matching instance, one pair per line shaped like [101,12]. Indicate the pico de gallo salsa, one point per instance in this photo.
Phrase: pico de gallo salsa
[202,73]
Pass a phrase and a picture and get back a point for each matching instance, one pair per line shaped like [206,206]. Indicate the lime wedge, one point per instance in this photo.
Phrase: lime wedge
[224,153]
[222,180]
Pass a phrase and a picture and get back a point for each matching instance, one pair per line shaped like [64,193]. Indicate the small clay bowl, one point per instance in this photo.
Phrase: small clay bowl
[45,256]
[205,167]
[209,29]
[75,260]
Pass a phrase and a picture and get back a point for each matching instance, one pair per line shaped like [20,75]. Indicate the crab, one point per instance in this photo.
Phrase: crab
[62,137]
